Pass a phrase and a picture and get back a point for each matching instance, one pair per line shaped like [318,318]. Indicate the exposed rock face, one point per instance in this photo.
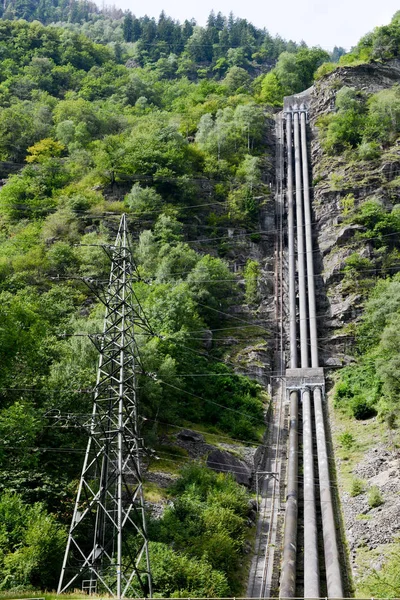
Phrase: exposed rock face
[188,435]
[371,527]
[225,462]
[337,182]
[370,78]
[220,459]
[341,185]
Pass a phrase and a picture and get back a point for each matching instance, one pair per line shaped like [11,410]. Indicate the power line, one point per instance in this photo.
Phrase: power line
[239,412]
[181,179]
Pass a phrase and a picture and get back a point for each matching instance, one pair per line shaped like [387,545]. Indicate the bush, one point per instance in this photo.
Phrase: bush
[344,129]
[31,543]
[357,487]
[374,497]
[383,122]
[346,440]
[361,409]
[143,201]
[272,91]
[177,575]
[357,273]
[207,523]
[324,69]
[385,582]
[251,274]
[368,150]
[61,225]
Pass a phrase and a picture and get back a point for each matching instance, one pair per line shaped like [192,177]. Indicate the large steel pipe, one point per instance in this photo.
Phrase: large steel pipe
[332,565]
[300,245]
[288,576]
[291,250]
[311,567]
[309,245]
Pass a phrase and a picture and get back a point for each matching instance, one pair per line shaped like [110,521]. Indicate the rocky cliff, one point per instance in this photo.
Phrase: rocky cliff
[340,186]
[338,181]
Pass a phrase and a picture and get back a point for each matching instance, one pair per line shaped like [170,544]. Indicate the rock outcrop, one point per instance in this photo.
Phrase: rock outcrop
[340,186]
[225,462]
[338,182]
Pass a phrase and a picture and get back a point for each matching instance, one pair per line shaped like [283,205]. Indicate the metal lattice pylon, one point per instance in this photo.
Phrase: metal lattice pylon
[107,548]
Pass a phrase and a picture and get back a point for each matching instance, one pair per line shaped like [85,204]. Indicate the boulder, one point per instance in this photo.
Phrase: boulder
[207,339]
[347,232]
[187,435]
[225,462]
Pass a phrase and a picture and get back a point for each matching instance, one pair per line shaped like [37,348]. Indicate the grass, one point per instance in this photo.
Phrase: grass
[45,595]
[365,558]
[168,459]
[212,435]
[153,492]
[366,434]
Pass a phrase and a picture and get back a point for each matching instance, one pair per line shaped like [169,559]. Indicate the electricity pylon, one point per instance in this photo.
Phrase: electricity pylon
[107,548]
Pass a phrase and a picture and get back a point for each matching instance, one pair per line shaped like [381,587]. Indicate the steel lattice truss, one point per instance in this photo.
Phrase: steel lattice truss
[107,548]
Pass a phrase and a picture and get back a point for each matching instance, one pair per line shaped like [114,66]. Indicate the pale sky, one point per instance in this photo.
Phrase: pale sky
[324,23]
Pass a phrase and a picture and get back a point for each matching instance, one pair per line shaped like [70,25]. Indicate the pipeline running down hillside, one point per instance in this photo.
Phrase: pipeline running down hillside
[305,383]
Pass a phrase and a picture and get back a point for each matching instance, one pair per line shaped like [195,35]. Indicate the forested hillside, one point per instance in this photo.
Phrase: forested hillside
[83,139]
[49,11]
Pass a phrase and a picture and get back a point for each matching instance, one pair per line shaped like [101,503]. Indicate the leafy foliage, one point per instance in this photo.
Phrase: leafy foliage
[357,487]
[385,582]
[207,522]
[383,43]
[362,123]
[31,544]
[294,72]
[373,384]
[180,152]
[374,497]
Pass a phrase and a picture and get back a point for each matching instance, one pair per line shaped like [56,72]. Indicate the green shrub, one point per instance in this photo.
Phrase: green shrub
[358,273]
[272,91]
[383,123]
[143,201]
[324,69]
[347,440]
[206,522]
[176,575]
[385,582]
[368,150]
[344,129]
[31,544]
[251,274]
[374,497]
[357,487]
[361,409]
[347,204]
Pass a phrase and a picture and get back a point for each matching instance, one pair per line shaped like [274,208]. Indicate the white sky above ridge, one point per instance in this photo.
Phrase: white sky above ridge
[319,23]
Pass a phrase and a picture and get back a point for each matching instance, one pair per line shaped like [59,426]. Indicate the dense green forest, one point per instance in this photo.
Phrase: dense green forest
[103,113]
[90,139]
[50,11]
